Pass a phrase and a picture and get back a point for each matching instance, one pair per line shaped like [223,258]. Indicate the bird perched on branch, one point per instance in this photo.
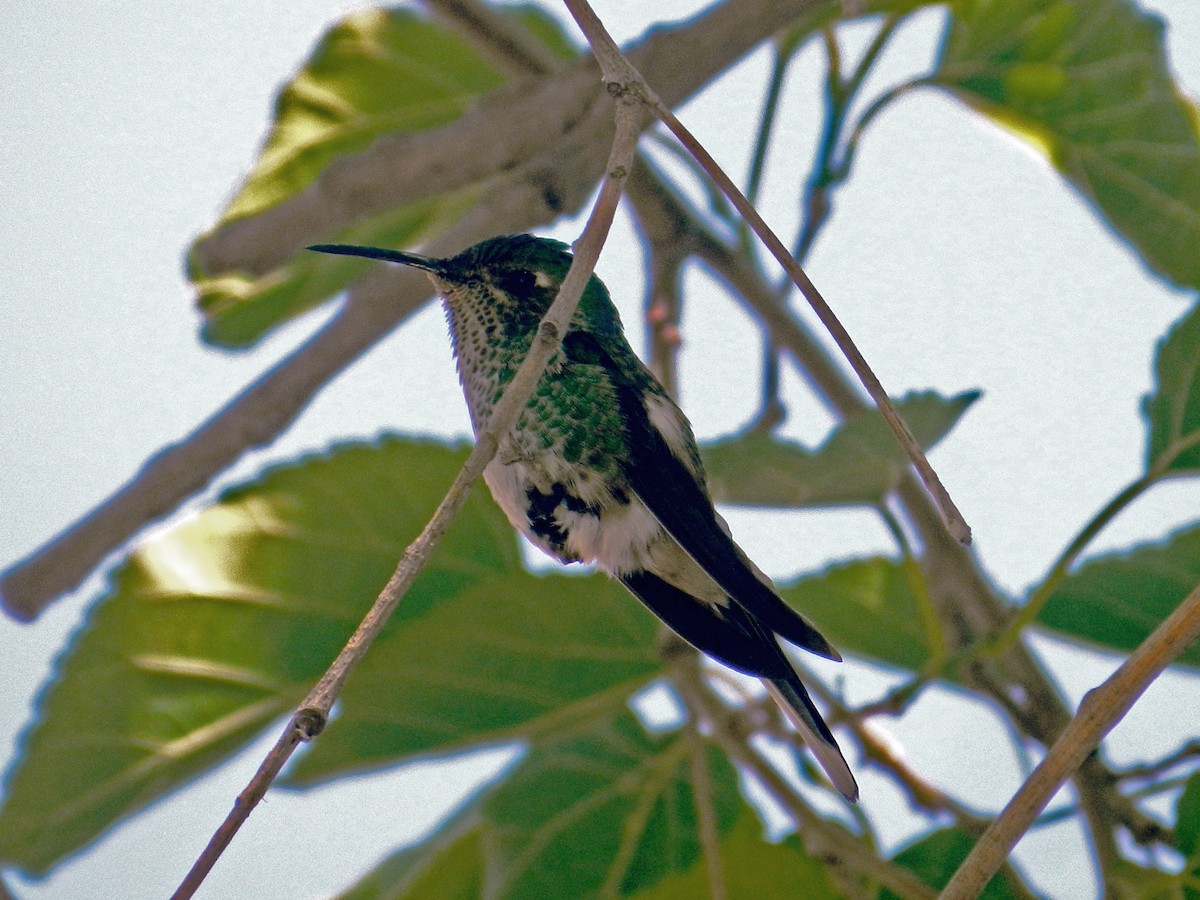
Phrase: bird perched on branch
[602,467]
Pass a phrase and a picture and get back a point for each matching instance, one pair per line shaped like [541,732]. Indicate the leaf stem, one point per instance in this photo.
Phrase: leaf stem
[1189,752]
[878,105]
[771,410]
[766,125]
[951,518]
[931,623]
[829,168]
[1033,607]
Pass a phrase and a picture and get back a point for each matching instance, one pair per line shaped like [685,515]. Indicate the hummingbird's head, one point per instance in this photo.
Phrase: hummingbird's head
[519,272]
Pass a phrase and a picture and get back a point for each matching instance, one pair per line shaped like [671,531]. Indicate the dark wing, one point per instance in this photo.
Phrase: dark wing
[680,501]
[731,635]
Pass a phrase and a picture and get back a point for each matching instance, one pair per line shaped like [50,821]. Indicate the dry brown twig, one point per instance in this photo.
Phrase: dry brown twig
[309,720]
[952,518]
[1100,710]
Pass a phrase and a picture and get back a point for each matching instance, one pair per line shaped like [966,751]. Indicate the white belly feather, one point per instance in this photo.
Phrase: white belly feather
[620,539]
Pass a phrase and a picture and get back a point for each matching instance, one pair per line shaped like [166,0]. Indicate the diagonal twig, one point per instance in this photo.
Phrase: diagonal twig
[966,603]
[1100,710]
[310,718]
[952,518]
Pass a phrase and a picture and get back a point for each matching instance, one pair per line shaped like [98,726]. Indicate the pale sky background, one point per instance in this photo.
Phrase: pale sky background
[956,257]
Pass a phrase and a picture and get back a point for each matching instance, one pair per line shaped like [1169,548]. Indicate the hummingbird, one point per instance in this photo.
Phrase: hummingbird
[602,467]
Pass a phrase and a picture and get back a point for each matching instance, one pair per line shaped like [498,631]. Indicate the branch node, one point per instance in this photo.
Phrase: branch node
[309,722]
[630,93]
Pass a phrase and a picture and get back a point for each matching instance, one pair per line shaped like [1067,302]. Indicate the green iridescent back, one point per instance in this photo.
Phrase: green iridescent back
[574,412]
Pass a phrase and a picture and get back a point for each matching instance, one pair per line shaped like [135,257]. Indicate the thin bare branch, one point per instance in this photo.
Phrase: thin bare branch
[313,713]
[953,519]
[662,211]
[706,815]
[1100,710]
[665,256]
[1188,753]
[922,793]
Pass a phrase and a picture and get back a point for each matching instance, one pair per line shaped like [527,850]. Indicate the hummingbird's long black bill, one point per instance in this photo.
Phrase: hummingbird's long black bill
[426,263]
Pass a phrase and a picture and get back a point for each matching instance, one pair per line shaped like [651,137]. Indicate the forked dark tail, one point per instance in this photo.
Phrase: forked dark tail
[793,699]
[733,636]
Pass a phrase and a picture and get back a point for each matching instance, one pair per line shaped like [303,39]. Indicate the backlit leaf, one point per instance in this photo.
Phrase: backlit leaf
[219,625]
[607,809]
[508,657]
[381,72]
[1117,599]
[600,809]
[1087,83]
[1173,409]
[867,607]
[858,463]
[1187,819]
[751,867]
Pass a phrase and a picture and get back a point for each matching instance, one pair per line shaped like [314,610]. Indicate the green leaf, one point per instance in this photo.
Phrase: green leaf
[1087,82]
[509,657]
[859,462]
[1126,879]
[599,809]
[867,607]
[220,625]
[1187,839]
[448,865]
[607,809]
[751,867]
[380,72]
[239,307]
[1172,410]
[935,857]
[1187,819]
[1116,600]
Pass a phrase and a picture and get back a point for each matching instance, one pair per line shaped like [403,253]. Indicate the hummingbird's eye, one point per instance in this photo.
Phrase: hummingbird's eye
[518,282]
